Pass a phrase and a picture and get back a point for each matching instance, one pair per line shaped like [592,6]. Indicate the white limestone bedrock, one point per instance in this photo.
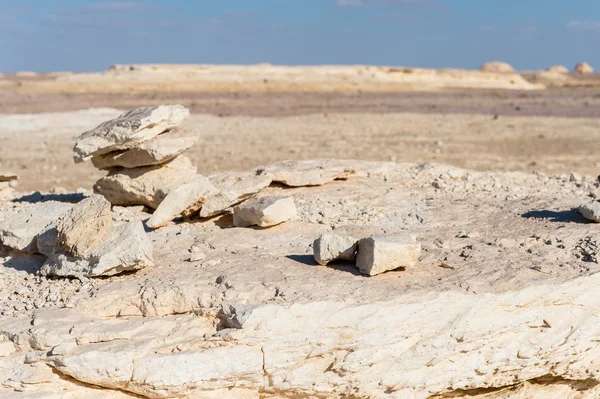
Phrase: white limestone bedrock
[382,252]
[148,185]
[162,148]
[264,212]
[183,200]
[331,246]
[128,130]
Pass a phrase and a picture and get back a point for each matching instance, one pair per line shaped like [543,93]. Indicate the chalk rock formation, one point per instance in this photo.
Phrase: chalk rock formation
[583,68]
[83,227]
[380,253]
[185,200]
[264,212]
[331,246]
[496,67]
[558,69]
[234,194]
[161,149]
[147,185]
[129,129]
[20,231]
[306,173]
[590,211]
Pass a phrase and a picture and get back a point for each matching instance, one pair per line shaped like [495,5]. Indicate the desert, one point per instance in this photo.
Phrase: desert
[267,231]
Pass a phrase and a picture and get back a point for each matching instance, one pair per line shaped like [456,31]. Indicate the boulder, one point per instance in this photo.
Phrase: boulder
[161,149]
[83,227]
[148,185]
[331,246]
[496,67]
[590,211]
[306,173]
[126,247]
[558,69]
[264,211]
[233,195]
[186,199]
[128,130]
[584,68]
[382,252]
[20,231]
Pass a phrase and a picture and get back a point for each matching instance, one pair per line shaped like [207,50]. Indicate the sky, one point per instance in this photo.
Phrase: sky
[91,35]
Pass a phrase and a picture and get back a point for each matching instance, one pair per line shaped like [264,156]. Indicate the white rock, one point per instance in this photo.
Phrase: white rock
[161,149]
[20,231]
[331,246]
[7,348]
[264,212]
[148,185]
[496,67]
[185,199]
[125,248]
[584,68]
[383,252]
[233,195]
[307,173]
[83,227]
[128,130]
[590,211]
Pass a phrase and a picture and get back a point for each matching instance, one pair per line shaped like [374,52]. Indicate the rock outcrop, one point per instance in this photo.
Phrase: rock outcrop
[497,67]
[558,69]
[583,68]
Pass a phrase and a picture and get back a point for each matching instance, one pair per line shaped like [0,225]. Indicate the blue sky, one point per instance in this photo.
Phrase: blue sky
[91,35]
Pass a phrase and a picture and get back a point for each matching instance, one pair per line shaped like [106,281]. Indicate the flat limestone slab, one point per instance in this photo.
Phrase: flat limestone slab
[233,195]
[307,173]
[148,185]
[264,212]
[128,130]
[156,151]
[382,252]
[185,199]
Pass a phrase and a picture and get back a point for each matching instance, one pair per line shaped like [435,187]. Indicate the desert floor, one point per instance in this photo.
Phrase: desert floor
[551,131]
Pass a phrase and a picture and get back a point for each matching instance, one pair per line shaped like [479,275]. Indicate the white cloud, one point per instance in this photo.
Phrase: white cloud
[584,26]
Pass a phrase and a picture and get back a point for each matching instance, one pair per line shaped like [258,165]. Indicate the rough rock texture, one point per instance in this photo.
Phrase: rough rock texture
[145,186]
[183,200]
[307,173]
[83,227]
[590,211]
[330,247]
[264,212]
[558,69]
[583,67]
[19,231]
[255,317]
[496,67]
[161,149]
[126,247]
[234,194]
[383,252]
[129,129]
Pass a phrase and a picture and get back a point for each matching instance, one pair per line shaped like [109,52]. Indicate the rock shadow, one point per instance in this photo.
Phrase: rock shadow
[36,197]
[22,261]
[339,265]
[567,216]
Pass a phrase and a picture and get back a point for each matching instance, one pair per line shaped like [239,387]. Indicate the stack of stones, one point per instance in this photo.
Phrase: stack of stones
[141,150]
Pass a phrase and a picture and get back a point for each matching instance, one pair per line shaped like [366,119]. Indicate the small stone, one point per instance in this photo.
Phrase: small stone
[233,195]
[83,227]
[380,253]
[186,199]
[468,234]
[147,185]
[590,211]
[330,247]
[197,256]
[505,243]
[161,149]
[128,130]
[264,212]
[575,177]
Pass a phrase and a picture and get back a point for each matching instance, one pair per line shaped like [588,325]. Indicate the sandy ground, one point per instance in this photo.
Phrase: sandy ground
[481,130]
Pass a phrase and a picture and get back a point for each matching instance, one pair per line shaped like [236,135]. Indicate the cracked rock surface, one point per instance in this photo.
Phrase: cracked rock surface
[509,312]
